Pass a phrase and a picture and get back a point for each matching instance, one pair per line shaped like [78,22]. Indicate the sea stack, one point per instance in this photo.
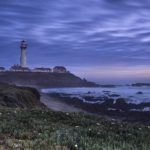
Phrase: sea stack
[23,57]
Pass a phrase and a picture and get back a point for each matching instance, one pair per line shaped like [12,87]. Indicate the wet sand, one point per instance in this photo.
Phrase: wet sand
[56,105]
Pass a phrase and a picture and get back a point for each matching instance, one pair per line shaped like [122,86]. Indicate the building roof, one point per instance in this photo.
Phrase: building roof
[23,42]
[42,68]
[60,67]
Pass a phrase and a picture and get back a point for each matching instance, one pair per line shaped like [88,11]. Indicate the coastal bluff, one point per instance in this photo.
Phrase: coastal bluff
[12,96]
[44,79]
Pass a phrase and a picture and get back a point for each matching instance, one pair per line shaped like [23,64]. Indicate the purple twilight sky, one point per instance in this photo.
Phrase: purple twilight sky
[107,41]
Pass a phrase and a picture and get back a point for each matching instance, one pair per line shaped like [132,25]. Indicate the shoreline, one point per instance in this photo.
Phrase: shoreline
[56,105]
[65,104]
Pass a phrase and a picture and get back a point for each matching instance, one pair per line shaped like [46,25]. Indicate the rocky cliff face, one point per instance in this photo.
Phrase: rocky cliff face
[19,97]
[44,79]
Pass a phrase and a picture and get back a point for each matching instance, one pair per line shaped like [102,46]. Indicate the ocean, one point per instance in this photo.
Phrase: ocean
[131,94]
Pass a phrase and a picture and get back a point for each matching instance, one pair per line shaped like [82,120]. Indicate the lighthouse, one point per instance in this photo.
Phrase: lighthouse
[23,57]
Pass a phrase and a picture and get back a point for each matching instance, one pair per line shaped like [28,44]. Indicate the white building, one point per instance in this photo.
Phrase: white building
[42,69]
[23,57]
[18,68]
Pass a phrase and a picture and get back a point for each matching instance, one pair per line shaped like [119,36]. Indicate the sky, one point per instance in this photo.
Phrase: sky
[107,41]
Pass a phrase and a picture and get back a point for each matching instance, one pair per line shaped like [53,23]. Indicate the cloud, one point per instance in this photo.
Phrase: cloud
[87,32]
[118,73]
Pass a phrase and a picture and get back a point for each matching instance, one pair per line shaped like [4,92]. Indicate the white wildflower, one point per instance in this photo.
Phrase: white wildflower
[20,140]
[113,119]
[76,145]
[112,123]
[98,124]
[16,145]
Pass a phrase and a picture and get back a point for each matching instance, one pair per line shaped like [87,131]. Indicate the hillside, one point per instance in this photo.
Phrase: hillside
[48,130]
[19,97]
[25,123]
[44,79]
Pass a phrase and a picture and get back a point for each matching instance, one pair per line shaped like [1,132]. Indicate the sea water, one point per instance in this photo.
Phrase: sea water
[129,93]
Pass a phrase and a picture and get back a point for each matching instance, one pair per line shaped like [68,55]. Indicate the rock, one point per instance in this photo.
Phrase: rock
[108,86]
[19,97]
[120,100]
[131,96]
[141,84]
[114,95]
[107,103]
[143,105]
[121,104]
[139,92]
[89,98]
[107,92]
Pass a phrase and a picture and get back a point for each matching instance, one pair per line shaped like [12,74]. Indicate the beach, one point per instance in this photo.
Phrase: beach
[57,105]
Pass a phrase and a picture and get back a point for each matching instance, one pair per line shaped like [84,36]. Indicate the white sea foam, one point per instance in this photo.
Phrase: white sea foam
[129,93]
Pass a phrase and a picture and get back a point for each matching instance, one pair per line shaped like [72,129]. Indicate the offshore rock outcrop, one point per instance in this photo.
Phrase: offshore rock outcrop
[141,84]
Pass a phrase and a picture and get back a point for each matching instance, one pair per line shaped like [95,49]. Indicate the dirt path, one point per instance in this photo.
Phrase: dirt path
[57,105]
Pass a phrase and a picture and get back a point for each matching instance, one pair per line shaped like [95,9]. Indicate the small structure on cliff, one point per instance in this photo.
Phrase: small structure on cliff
[2,69]
[60,69]
[18,68]
[42,69]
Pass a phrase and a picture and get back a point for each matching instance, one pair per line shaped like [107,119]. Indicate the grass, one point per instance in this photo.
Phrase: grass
[47,130]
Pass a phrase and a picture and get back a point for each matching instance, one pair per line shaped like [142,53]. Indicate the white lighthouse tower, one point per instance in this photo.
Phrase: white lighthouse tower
[23,57]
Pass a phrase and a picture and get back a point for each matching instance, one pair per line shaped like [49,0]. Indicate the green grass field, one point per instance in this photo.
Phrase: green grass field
[47,130]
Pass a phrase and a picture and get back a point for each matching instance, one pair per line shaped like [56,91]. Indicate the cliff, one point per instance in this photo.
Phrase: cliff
[19,97]
[44,79]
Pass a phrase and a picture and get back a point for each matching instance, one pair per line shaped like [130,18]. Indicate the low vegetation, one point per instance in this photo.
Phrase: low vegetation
[47,130]
[19,97]
[26,124]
